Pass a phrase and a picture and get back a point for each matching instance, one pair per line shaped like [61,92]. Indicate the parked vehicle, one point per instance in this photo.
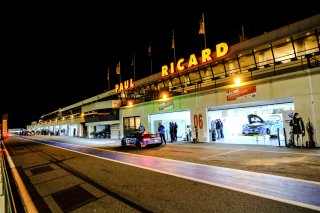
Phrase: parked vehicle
[258,126]
[102,134]
[140,140]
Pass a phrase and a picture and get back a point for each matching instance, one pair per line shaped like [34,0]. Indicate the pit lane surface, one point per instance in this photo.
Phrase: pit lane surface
[288,190]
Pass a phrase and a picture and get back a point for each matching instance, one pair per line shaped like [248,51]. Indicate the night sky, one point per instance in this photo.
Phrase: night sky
[54,55]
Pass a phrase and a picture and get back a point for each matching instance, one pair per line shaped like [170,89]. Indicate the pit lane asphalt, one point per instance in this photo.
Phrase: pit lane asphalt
[200,152]
[300,163]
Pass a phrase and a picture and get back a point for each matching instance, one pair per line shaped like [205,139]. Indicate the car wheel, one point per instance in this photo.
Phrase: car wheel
[268,132]
[138,145]
[123,142]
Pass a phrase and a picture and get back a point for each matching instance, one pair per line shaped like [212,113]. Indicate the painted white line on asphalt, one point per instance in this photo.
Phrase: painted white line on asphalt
[276,198]
[295,153]
[224,153]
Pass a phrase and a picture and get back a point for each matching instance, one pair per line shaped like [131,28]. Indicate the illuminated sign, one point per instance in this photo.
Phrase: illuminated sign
[207,56]
[4,131]
[124,85]
[241,93]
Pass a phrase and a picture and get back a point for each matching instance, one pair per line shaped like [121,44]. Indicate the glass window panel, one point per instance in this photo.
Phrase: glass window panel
[126,123]
[306,45]
[160,86]
[176,81]
[168,83]
[137,122]
[154,87]
[147,87]
[131,122]
[206,73]
[246,62]
[283,52]
[264,57]
[218,70]
[184,79]
[232,67]
[194,77]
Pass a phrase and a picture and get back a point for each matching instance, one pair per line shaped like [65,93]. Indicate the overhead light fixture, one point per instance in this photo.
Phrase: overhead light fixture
[237,81]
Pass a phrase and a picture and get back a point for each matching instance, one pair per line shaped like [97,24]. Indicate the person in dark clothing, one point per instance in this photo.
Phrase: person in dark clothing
[221,128]
[218,129]
[298,130]
[171,127]
[213,130]
[162,132]
[175,130]
[189,134]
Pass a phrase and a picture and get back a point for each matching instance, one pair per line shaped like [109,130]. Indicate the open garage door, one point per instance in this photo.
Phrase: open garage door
[182,119]
[249,123]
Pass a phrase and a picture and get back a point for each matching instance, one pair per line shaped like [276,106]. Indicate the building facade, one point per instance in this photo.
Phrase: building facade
[267,77]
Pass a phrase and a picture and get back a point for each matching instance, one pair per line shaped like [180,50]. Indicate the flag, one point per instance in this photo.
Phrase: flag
[202,30]
[108,79]
[149,50]
[173,44]
[132,62]
[118,69]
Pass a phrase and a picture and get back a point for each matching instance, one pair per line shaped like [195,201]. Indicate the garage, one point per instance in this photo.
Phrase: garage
[249,123]
[182,118]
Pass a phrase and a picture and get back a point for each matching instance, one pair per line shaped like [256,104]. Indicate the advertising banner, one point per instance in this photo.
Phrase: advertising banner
[4,130]
[166,105]
[241,93]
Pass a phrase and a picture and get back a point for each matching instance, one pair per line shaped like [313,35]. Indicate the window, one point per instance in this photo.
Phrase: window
[130,124]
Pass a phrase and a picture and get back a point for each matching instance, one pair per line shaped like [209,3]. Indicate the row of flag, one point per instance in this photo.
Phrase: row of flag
[201,32]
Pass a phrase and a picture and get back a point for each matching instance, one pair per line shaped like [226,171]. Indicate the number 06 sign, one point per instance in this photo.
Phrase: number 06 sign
[197,120]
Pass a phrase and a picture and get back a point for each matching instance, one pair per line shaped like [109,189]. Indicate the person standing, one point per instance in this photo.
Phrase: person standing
[188,133]
[298,130]
[218,129]
[162,132]
[141,128]
[171,131]
[213,130]
[175,131]
[221,128]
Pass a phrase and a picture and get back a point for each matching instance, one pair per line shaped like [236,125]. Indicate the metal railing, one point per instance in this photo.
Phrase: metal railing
[12,202]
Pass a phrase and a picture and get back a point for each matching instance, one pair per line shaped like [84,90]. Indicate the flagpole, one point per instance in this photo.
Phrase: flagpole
[120,72]
[134,67]
[150,55]
[204,28]
[108,79]
[174,48]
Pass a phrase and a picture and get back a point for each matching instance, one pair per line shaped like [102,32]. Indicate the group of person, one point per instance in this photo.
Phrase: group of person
[216,129]
[173,130]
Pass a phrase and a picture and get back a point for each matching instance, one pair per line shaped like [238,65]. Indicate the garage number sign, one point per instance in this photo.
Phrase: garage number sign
[197,120]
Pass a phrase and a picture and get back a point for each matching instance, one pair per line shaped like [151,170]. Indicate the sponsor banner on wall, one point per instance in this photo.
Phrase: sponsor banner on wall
[166,105]
[241,93]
